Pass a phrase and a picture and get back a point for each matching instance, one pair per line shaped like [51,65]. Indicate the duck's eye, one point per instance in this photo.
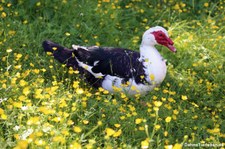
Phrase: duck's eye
[160,34]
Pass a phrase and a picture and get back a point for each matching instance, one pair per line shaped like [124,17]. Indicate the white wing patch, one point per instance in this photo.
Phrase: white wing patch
[89,69]
[75,47]
[95,63]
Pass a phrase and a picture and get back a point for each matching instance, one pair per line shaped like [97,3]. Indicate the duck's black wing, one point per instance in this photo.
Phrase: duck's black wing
[123,63]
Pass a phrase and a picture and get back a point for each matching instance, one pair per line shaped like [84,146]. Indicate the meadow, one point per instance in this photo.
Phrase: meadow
[43,104]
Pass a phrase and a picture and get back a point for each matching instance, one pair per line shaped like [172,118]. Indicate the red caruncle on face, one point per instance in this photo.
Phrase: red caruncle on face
[163,39]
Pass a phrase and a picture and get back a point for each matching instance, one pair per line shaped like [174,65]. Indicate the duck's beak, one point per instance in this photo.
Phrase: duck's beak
[170,45]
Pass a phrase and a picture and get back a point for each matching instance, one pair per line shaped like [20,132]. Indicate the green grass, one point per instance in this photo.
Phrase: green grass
[45,105]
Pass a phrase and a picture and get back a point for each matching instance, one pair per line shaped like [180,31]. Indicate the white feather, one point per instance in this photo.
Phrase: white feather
[113,83]
[89,69]
[95,63]
[75,47]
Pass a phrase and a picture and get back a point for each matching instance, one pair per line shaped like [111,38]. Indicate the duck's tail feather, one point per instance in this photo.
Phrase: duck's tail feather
[60,53]
[66,56]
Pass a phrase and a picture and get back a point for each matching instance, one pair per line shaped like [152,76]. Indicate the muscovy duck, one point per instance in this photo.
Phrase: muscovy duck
[118,69]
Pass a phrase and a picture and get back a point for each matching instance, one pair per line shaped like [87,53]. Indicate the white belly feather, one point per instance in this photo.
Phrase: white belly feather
[114,84]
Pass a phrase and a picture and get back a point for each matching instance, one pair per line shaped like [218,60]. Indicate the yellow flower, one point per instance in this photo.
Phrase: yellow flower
[99,123]
[22,98]
[163,99]
[77,129]
[141,128]
[59,139]
[105,92]
[101,89]
[4,116]
[34,120]
[186,137]
[46,110]
[54,48]
[26,91]
[184,97]
[17,66]
[37,71]
[132,108]
[145,20]
[171,100]
[97,44]
[206,4]
[25,22]
[70,122]
[39,134]
[22,144]
[152,77]
[38,93]
[109,132]
[142,76]
[75,145]
[144,144]
[122,117]
[85,122]
[38,4]
[154,97]
[9,5]
[214,131]
[18,56]
[76,84]
[1,111]
[123,95]
[117,125]
[166,133]
[157,127]
[9,50]
[3,15]
[17,104]
[177,7]
[49,53]
[40,142]
[168,119]
[133,88]
[67,34]
[138,121]
[177,146]
[156,109]
[22,83]
[165,91]
[157,103]
[16,136]
[88,94]
[175,112]
[168,146]
[65,132]
[4,86]
[79,91]
[118,133]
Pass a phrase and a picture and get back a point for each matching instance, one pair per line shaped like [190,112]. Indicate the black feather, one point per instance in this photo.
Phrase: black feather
[123,63]
[65,56]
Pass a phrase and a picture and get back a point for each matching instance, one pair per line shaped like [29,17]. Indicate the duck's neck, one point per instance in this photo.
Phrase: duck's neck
[154,65]
[149,53]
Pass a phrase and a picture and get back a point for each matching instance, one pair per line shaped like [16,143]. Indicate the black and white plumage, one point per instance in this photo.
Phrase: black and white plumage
[118,69]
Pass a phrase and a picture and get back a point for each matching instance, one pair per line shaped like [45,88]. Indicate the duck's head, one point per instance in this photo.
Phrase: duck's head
[158,35]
